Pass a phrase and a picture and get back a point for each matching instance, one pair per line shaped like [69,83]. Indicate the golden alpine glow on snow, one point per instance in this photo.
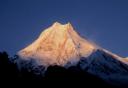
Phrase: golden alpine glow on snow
[58,44]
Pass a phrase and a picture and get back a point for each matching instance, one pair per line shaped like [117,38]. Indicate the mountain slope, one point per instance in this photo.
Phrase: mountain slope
[106,66]
[58,45]
[61,45]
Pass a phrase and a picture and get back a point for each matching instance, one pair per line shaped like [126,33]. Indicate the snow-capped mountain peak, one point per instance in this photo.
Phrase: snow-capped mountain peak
[62,45]
[58,44]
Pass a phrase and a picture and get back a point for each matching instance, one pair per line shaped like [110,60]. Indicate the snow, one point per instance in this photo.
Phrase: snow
[62,45]
[58,44]
[106,66]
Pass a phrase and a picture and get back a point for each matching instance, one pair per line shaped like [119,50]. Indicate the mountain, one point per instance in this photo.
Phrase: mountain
[61,45]
[106,66]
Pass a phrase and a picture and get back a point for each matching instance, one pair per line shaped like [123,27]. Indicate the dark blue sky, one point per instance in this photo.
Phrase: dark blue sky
[103,21]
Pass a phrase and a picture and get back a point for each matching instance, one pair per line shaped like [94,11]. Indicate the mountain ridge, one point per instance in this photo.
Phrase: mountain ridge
[55,39]
[61,45]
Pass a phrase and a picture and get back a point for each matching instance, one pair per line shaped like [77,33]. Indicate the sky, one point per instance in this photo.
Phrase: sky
[104,22]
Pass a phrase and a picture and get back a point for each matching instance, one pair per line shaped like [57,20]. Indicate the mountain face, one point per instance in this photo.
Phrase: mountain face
[61,45]
[58,45]
[106,66]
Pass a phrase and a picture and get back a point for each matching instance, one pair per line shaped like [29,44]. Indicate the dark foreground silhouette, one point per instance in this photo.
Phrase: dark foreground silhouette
[10,74]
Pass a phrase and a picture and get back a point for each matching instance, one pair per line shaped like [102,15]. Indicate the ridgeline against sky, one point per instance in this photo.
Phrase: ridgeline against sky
[102,21]
[61,45]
